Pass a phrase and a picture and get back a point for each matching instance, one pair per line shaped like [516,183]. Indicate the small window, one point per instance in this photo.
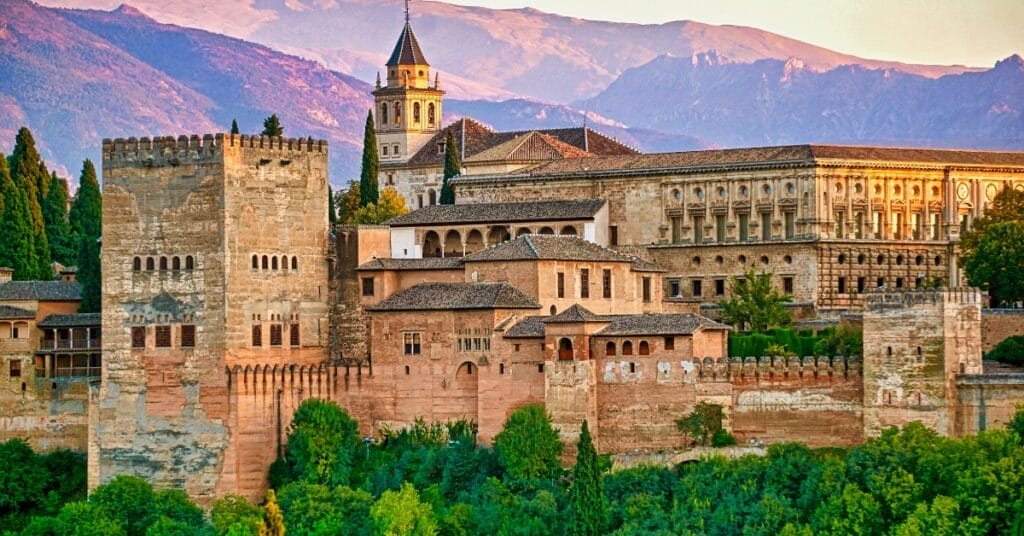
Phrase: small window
[670,343]
[136,264]
[787,285]
[561,284]
[584,283]
[407,370]
[276,334]
[149,264]
[632,367]
[606,283]
[861,284]
[719,287]
[540,368]
[384,150]
[190,263]
[645,349]
[646,281]
[515,347]
[696,285]
[627,348]
[899,282]
[255,262]
[163,337]
[293,335]
[295,263]
[674,288]
[880,282]
[266,263]
[609,349]
[501,368]
[412,343]
[842,285]
[163,264]
[273,263]
[15,368]
[257,335]
[367,286]
[176,264]
[138,337]
[613,235]
[188,336]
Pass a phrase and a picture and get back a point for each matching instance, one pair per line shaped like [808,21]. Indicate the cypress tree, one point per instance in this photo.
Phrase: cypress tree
[16,248]
[86,226]
[369,190]
[58,227]
[452,168]
[30,175]
[586,498]
[272,126]
[332,215]
[234,126]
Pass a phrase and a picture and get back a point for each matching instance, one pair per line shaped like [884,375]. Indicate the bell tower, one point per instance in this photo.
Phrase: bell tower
[408,108]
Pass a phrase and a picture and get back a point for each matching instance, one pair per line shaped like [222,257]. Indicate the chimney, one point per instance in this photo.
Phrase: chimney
[6,274]
[69,274]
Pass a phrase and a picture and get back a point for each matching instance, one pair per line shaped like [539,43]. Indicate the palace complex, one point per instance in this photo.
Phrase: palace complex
[572,272]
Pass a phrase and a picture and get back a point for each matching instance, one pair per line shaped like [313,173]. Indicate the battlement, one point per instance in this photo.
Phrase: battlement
[884,298]
[196,149]
[738,370]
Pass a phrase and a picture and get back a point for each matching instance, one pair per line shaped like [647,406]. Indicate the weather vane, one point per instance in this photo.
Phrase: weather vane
[406,10]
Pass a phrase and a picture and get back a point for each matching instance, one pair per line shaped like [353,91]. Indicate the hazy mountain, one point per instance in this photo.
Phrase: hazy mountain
[780,102]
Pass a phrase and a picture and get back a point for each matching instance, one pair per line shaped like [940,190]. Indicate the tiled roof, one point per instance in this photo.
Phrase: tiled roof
[658,324]
[407,50]
[529,147]
[429,263]
[500,213]
[8,312]
[549,247]
[764,156]
[40,290]
[75,320]
[575,313]
[640,265]
[530,327]
[457,296]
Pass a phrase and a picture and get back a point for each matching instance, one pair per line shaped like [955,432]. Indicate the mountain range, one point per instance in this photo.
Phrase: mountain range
[78,75]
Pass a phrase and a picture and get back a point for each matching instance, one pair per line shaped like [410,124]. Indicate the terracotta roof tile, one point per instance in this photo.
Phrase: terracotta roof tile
[500,213]
[457,296]
[75,320]
[11,313]
[530,327]
[429,263]
[407,50]
[40,290]
[575,313]
[549,247]
[658,324]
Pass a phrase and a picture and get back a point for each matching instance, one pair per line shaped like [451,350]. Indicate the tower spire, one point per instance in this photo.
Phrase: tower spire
[407,11]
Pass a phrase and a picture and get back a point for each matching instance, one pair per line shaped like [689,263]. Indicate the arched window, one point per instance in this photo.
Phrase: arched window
[415,112]
[565,348]
[190,263]
[255,262]
[627,348]
[284,262]
[383,115]
[295,263]
[430,114]
[136,264]
[149,263]
[546,231]
[163,264]
[609,349]
[176,264]
[398,112]
[645,349]
[266,262]
[273,263]
[432,197]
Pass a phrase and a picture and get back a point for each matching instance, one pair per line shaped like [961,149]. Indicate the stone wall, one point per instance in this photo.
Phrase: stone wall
[987,401]
[998,324]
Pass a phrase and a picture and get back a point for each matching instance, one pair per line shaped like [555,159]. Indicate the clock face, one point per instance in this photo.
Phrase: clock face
[962,191]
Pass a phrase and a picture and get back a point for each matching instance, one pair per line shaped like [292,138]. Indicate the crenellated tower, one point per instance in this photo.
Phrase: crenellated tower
[408,108]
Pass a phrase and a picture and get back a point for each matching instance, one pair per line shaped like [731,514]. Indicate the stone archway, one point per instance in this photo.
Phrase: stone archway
[431,244]
[565,349]
[453,244]
[497,235]
[474,241]
[523,231]
[569,230]
[546,231]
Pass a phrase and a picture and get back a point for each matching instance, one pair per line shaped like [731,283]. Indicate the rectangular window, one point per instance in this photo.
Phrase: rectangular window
[15,369]
[673,288]
[965,223]
[858,225]
[861,284]
[880,282]
[646,289]
[613,235]
[276,334]
[163,336]
[394,151]
[676,230]
[257,335]
[919,282]
[766,226]
[412,343]
[915,224]
[897,226]
[139,337]
[584,283]
[719,287]
[367,286]
[384,150]
[876,225]
[293,335]
[720,228]
[936,226]
[787,285]
[697,290]
[561,284]
[899,282]
[698,229]
[790,220]
[606,283]
[842,285]
[670,343]
[840,225]
[744,227]
[188,336]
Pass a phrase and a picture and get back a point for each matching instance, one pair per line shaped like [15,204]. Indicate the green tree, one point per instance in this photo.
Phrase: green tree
[128,500]
[58,226]
[165,526]
[16,248]
[369,190]
[30,175]
[452,169]
[273,520]
[755,303]
[347,202]
[272,127]
[234,126]
[332,215]
[1009,350]
[322,443]
[86,228]
[1016,424]
[701,424]
[844,340]
[233,514]
[528,446]
[401,513]
[995,261]
[588,512]
[317,509]
[390,205]
[940,518]
[76,519]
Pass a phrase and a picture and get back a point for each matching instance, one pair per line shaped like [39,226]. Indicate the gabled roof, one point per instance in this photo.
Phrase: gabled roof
[549,247]
[69,321]
[429,263]
[530,146]
[40,291]
[457,296]
[575,313]
[529,327]
[407,50]
[658,324]
[11,313]
[583,209]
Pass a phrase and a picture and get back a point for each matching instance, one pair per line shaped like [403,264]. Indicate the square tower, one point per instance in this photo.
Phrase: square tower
[214,260]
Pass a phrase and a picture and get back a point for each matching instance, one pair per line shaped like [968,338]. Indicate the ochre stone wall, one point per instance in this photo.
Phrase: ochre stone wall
[988,401]
[998,324]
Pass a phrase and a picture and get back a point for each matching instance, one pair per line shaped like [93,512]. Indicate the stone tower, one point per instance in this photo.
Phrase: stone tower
[916,343]
[408,108]
[215,298]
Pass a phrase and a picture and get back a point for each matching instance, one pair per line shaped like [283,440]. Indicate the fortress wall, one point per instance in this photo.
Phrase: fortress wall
[998,324]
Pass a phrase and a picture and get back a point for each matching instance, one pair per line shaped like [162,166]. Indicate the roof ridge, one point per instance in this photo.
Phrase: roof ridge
[529,244]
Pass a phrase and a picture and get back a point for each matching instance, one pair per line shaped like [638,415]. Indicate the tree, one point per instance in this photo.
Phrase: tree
[76,519]
[588,512]
[272,127]
[1010,350]
[317,509]
[128,500]
[401,513]
[332,216]
[30,175]
[369,190]
[86,227]
[452,169]
[234,126]
[995,261]
[390,205]
[1016,425]
[844,340]
[322,441]
[58,226]
[703,423]
[528,446]
[347,202]
[16,247]
[233,514]
[755,304]
[273,520]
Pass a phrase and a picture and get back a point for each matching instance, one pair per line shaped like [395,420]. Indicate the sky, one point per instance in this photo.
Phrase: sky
[943,32]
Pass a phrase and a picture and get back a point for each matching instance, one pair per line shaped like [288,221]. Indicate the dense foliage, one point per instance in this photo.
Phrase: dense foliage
[272,126]
[452,169]
[841,340]
[1011,350]
[369,189]
[391,204]
[755,304]
[993,250]
[86,228]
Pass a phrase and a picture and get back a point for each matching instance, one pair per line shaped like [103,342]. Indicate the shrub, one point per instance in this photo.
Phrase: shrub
[1011,351]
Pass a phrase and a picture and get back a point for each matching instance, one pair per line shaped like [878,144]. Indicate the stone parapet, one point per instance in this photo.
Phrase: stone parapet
[196,149]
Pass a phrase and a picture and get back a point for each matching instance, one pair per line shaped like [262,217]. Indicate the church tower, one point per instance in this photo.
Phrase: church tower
[408,108]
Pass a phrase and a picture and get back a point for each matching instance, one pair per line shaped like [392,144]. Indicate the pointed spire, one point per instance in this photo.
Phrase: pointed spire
[407,11]
[378,79]
[407,50]
[437,80]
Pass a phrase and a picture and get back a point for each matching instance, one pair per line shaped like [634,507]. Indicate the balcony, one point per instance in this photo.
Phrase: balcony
[53,345]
